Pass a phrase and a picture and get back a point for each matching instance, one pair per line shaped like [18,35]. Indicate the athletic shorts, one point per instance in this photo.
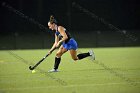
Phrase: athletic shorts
[71,44]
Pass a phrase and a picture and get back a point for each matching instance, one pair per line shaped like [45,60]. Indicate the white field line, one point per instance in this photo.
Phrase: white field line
[82,85]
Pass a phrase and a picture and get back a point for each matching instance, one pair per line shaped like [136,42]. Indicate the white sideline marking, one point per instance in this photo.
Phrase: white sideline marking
[84,85]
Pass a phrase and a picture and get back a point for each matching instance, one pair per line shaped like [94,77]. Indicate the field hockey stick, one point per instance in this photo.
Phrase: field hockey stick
[33,67]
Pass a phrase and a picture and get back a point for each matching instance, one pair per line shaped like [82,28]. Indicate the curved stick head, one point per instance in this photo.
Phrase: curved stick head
[31,68]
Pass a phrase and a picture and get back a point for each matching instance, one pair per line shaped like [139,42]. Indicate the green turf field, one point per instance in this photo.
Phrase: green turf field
[116,70]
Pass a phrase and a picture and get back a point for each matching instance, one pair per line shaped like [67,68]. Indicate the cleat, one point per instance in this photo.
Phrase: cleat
[53,70]
[92,55]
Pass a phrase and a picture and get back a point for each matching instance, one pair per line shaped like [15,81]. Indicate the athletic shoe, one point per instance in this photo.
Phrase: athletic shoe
[92,55]
[53,70]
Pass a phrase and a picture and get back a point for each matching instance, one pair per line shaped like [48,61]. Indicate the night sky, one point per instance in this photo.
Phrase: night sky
[123,14]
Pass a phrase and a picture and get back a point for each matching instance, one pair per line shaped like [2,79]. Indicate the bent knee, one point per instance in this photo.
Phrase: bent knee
[59,54]
[75,59]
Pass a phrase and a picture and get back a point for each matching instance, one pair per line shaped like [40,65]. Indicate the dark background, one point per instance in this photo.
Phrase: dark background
[17,32]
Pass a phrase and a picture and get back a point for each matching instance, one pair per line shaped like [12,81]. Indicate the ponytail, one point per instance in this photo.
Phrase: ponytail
[52,20]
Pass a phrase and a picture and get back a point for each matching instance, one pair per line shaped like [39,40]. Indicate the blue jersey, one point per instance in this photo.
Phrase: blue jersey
[70,43]
[60,36]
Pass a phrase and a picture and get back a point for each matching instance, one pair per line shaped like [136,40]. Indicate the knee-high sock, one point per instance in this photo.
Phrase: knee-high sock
[57,62]
[83,55]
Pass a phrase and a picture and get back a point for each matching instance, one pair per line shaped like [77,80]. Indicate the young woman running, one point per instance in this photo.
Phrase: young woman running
[66,42]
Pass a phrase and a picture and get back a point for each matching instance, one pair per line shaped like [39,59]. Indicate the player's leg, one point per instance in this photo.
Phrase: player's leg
[72,47]
[59,53]
[79,56]
[74,54]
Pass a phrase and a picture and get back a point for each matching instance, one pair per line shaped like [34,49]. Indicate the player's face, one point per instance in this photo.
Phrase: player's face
[51,26]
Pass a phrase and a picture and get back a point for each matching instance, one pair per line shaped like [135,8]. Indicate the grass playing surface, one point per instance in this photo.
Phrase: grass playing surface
[116,70]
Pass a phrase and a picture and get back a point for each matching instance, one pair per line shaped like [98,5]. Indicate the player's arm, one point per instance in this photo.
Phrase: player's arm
[63,33]
[55,43]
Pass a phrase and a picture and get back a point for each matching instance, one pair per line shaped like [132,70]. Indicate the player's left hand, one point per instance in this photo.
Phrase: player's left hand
[59,43]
